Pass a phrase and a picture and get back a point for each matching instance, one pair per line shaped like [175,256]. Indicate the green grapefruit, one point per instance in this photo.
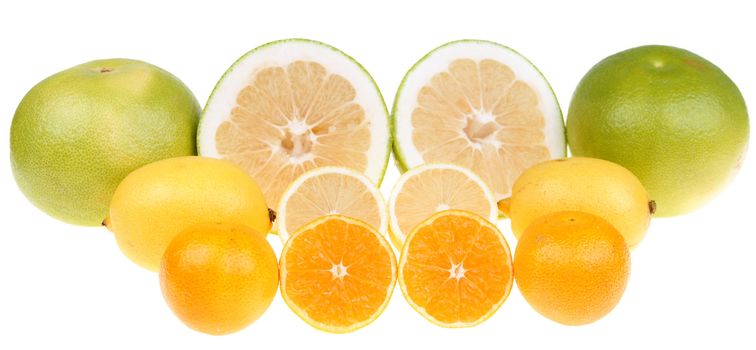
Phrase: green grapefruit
[78,133]
[668,115]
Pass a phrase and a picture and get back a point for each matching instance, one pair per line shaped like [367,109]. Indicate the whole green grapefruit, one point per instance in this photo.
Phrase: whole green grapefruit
[671,117]
[78,133]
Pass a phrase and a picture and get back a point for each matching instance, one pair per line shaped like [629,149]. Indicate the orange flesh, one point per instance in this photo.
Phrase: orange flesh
[338,273]
[479,116]
[292,119]
[456,270]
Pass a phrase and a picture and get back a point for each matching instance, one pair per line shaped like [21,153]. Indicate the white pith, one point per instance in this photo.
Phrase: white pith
[284,232]
[438,61]
[457,271]
[281,54]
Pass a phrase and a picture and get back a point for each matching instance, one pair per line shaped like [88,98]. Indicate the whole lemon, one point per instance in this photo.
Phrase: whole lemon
[157,201]
[219,278]
[79,132]
[671,117]
[595,186]
[572,267]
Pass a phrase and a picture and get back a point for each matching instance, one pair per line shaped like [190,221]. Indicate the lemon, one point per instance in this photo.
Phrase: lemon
[430,188]
[156,202]
[326,191]
[668,115]
[594,186]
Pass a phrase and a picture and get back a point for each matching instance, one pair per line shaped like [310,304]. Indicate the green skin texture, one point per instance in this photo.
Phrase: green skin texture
[78,133]
[668,115]
[314,42]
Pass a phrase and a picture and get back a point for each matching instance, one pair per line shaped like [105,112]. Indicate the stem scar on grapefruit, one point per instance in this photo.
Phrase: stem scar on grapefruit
[293,105]
[479,105]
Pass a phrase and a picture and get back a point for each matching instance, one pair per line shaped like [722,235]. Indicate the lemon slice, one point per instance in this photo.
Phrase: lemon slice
[326,191]
[479,105]
[294,105]
[431,188]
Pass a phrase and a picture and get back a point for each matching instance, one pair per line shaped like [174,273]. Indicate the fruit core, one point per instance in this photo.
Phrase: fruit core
[480,127]
[297,141]
[293,118]
[477,114]
[457,271]
[339,271]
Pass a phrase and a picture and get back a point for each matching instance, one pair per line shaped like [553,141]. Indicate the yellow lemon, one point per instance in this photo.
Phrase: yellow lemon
[590,185]
[157,201]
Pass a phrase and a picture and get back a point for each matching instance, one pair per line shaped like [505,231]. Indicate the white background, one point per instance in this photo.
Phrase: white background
[693,280]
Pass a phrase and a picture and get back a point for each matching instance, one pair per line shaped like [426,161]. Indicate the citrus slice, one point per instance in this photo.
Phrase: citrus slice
[480,105]
[330,190]
[430,188]
[456,269]
[337,273]
[294,105]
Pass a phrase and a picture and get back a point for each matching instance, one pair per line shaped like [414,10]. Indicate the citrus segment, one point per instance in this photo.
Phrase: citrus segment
[456,269]
[479,105]
[313,114]
[337,273]
[294,105]
[431,188]
[330,190]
